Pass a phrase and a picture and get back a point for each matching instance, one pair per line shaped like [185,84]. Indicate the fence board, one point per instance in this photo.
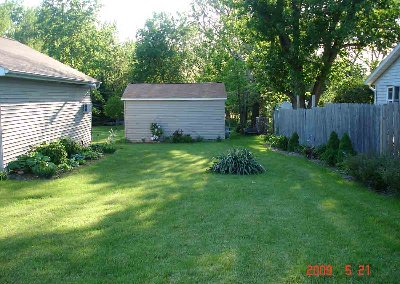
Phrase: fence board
[372,128]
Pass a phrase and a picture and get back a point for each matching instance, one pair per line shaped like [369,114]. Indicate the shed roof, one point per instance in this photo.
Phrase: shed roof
[384,65]
[189,91]
[19,60]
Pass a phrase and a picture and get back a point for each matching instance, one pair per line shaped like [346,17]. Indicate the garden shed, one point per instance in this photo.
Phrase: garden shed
[41,99]
[198,109]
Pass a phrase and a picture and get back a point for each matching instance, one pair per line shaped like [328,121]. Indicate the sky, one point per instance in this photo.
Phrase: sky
[130,16]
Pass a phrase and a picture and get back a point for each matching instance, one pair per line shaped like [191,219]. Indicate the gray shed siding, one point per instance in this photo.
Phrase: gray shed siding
[35,111]
[205,118]
[391,77]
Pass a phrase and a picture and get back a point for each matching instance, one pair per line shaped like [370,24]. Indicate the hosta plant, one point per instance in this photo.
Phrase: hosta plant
[239,161]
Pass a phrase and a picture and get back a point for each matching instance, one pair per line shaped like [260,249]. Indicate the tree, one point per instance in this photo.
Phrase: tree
[161,50]
[114,108]
[305,37]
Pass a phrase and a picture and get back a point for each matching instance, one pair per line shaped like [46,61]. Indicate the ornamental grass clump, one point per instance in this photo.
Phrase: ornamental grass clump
[238,161]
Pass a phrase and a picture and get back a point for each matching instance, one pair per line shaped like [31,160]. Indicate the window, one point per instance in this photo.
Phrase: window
[393,94]
[86,108]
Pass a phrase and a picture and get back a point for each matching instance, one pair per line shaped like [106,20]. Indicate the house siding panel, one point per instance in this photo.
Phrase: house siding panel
[197,118]
[35,111]
[391,77]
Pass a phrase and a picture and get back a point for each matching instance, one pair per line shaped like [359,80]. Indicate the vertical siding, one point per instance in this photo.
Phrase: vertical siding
[197,118]
[391,77]
[35,111]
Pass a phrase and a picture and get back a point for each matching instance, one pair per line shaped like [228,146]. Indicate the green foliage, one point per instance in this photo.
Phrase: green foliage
[199,139]
[160,50]
[65,167]
[319,150]
[345,148]
[293,143]
[77,159]
[55,150]
[71,146]
[333,141]
[104,148]
[44,169]
[26,162]
[114,108]
[356,92]
[179,137]
[3,175]
[277,141]
[89,154]
[391,173]
[156,131]
[330,155]
[367,169]
[219,139]
[239,161]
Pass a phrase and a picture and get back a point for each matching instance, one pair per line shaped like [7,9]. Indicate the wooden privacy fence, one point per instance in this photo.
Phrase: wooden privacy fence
[372,128]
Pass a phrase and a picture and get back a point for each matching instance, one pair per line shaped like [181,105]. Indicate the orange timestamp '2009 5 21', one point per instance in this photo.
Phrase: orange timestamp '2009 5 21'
[349,270]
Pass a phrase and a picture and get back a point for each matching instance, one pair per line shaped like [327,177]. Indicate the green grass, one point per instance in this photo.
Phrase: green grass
[150,214]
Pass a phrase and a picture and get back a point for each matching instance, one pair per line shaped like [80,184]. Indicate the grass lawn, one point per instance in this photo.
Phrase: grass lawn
[150,213]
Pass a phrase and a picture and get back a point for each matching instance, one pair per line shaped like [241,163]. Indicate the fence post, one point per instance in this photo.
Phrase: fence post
[313,100]
[297,102]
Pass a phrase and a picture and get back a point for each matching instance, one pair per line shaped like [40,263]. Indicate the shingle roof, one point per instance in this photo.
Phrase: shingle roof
[175,91]
[20,59]
[384,65]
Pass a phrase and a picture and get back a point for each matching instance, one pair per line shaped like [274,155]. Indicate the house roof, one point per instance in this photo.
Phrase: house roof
[19,60]
[384,65]
[190,91]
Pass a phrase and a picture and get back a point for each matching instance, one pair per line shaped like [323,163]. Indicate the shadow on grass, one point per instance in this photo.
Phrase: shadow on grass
[150,213]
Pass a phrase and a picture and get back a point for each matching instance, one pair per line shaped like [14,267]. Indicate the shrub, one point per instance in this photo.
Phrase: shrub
[3,175]
[319,151]
[91,155]
[391,173]
[308,152]
[27,162]
[71,147]
[77,159]
[64,167]
[367,169]
[45,169]
[345,148]
[333,141]
[156,131]
[104,148]
[199,139]
[238,161]
[55,150]
[293,144]
[277,141]
[179,137]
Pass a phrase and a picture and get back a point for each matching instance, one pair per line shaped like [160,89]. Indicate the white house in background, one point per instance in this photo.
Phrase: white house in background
[41,99]
[385,79]
[198,109]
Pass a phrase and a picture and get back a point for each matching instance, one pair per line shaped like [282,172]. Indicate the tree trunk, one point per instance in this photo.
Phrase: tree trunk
[255,112]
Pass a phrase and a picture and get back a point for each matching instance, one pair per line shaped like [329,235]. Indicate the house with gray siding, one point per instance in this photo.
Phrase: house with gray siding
[41,99]
[198,109]
[385,79]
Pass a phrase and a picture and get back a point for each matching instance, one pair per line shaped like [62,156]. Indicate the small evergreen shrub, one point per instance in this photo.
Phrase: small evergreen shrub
[319,151]
[239,161]
[44,169]
[55,150]
[330,155]
[333,141]
[345,148]
[293,144]
[71,146]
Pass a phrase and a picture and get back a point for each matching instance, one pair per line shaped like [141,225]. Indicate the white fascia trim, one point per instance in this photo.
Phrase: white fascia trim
[41,77]
[384,65]
[3,71]
[173,99]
